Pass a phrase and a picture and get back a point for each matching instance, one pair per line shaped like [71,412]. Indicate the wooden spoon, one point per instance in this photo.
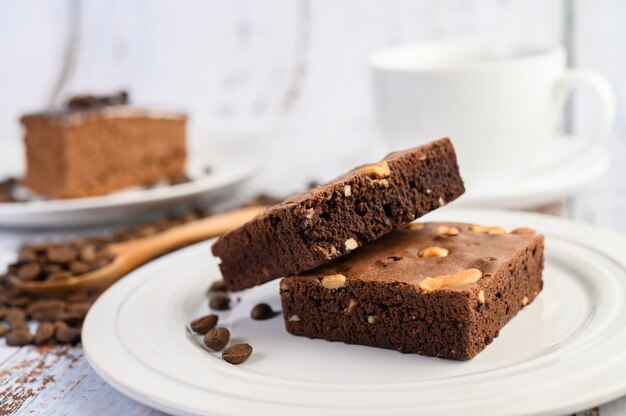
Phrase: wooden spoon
[132,254]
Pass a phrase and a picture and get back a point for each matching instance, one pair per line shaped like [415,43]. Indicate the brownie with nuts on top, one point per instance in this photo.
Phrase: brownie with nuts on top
[330,220]
[438,289]
[99,144]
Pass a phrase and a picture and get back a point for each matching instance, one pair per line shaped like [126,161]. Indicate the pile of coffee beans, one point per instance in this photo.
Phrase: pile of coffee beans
[60,319]
[60,260]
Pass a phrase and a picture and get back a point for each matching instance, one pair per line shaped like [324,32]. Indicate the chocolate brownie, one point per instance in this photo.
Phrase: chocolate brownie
[97,145]
[314,227]
[439,289]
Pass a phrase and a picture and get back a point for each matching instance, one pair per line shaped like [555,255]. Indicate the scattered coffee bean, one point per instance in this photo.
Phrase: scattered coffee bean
[20,301]
[27,254]
[42,305]
[52,268]
[16,314]
[79,308]
[29,271]
[219,301]
[204,324]
[217,338]
[3,330]
[61,254]
[218,286]
[65,333]
[17,325]
[3,312]
[237,353]
[61,274]
[70,318]
[262,311]
[79,267]
[77,297]
[18,337]
[44,333]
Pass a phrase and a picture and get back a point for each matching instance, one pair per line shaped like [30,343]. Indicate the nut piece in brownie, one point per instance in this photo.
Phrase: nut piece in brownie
[314,227]
[97,145]
[439,289]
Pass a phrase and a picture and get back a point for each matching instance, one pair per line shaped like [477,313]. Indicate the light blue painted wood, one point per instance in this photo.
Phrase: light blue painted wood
[59,382]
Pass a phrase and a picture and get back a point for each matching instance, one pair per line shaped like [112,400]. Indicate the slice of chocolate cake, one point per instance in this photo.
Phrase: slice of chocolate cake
[440,289]
[331,220]
[99,144]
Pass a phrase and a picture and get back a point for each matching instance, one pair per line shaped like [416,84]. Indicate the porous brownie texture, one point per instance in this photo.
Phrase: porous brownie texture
[329,221]
[94,151]
[438,289]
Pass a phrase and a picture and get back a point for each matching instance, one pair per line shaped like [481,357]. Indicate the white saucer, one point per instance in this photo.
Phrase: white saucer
[563,353]
[228,170]
[550,184]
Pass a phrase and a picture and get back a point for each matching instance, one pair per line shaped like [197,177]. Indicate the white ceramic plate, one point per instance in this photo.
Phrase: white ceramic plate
[552,183]
[228,170]
[563,353]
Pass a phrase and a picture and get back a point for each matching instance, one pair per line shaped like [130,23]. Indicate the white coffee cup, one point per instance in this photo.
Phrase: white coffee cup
[500,109]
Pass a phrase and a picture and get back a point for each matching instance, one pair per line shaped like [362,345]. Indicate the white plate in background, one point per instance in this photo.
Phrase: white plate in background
[229,167]
[562,353]
[551,184]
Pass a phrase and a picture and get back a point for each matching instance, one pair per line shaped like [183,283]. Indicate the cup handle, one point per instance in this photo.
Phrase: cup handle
[573,78]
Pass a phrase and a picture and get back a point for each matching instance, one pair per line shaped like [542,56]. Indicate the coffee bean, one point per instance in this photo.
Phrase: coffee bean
[3,330]
[39,248]
[203,324]
[46,310]
[79,267]
[61,254]
[27,254]
[217,338]
[51,268]
[219,301]
[15,325]
[66,334]
[77,297]
[79,308]
[19,337]
[61,274]
[16,314]
[218,286]
[237,354]
[262,311]
[3,312]
[44,333]
[29,271]
[70,318]
[20,301]
[41,305]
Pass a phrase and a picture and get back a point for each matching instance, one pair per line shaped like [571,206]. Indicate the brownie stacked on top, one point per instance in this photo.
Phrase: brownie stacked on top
[357,273]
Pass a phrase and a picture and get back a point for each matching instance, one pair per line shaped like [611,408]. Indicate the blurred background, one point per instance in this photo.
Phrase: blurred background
[292,73]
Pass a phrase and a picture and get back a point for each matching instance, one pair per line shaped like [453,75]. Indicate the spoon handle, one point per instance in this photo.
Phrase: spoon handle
[140,251]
